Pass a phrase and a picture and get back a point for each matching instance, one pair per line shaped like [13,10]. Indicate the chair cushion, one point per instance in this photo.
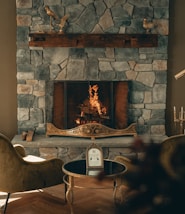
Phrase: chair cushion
[32,158]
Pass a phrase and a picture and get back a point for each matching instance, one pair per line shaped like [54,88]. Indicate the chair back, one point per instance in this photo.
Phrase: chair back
[10,163]
[173,156]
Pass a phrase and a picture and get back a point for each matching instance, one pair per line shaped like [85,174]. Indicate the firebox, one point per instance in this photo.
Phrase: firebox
[80,102]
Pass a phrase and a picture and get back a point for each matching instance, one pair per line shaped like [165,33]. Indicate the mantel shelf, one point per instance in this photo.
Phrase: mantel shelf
[93,40]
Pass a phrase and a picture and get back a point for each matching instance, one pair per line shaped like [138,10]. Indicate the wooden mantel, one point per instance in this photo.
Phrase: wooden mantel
[93,40]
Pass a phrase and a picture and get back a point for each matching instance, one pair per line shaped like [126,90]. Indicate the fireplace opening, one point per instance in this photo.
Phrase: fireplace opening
[80,102]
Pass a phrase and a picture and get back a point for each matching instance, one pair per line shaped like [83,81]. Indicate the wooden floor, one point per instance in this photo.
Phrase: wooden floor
[52,200]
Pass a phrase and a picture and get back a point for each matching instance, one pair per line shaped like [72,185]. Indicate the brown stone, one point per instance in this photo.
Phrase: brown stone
[23,20]
[24,3]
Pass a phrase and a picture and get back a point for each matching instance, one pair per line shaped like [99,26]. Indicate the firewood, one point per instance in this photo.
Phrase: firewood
[29,136]
[24,135]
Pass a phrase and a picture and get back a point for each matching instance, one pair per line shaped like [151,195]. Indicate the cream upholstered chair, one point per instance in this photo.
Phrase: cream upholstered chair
[19,172]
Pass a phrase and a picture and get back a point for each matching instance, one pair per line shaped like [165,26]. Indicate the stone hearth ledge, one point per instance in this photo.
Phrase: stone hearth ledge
[72,148]
[54,141]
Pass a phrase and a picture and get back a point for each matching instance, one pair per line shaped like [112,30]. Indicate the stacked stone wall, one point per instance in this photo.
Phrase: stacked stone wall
[144,68]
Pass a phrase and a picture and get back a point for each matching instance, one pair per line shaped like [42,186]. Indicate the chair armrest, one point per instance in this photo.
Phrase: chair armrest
[127,162]
[20,150]
[42,174]
[30,158]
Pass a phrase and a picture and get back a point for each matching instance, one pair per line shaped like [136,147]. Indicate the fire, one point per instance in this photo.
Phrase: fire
[92,109]
[94,99]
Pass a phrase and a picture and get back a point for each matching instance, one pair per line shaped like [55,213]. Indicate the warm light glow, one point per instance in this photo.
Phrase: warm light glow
[92,109]
[94,99]
[180,74]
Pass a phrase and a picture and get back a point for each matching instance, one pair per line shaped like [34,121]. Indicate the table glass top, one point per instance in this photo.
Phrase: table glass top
[111,168]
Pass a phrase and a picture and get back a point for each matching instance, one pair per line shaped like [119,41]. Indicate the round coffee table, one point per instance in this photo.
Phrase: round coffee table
[77,169]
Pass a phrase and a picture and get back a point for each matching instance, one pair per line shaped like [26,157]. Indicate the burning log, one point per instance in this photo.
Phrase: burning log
[92,109]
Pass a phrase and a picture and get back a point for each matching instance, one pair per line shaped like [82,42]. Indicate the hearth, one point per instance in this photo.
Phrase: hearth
[82,102]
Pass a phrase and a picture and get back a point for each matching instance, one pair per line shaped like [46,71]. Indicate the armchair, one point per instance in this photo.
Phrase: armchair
[156,183]
[173,157]
[18,173]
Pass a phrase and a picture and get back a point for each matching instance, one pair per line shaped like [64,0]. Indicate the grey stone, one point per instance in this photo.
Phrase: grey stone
[126,54]
[107,75]
[77,53]
[160,3]
[138,86]
[140,3]
[42,72]
[52,2]
[55,55]
[143,129]
[25,101]
[111,3]
[74,27]
[137,97]
[159,93]
[36,115]
[161,77]
[142,12]
[36,58]
[92,69]
[68,2]
[37,3]
[161,13]
[75,69]
[119,12]
[88,19]
[22,34]
[158,113]
[100,7]
[25,67]
[135,27]
[95,52]
[120,16]
[54,70]
[85,2]
[74,12]
[121,75]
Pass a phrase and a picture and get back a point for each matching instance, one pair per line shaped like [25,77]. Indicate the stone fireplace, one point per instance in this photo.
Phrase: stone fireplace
[145,68]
